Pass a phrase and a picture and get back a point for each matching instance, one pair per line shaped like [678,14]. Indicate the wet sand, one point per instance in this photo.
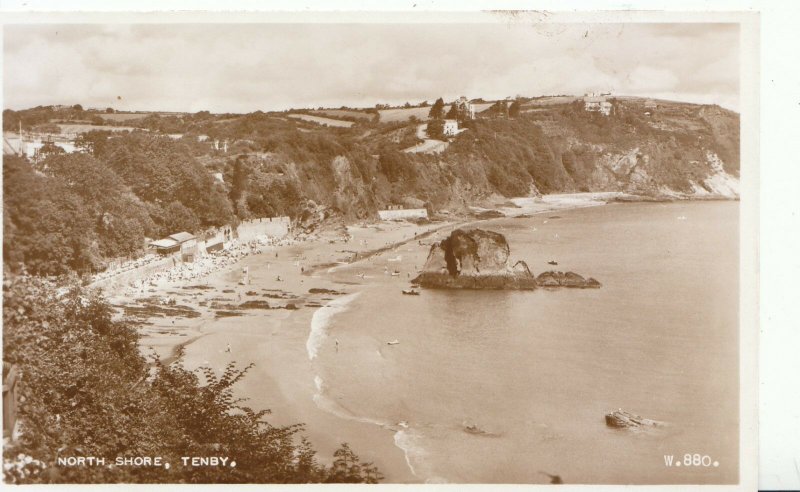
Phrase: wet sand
[275,339]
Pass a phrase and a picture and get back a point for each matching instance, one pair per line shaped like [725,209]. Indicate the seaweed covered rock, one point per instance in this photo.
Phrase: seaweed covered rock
[474,259]
[479,259]
[568,279]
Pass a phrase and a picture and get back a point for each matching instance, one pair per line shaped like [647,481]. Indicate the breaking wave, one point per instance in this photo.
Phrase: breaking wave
[321,320]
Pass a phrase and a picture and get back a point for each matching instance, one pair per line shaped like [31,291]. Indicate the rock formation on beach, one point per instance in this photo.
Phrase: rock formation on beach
[568,279]
[479,259]
[626,420]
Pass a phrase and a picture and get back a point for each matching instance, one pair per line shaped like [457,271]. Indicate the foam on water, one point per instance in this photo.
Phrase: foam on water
[403,438]
[321,320]
[416,456]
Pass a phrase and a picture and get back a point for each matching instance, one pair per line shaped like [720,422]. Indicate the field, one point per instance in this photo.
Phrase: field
[322,121]
[134,116]
[403,114]
[549,101]
[338,113]
[124,116]
[76,128]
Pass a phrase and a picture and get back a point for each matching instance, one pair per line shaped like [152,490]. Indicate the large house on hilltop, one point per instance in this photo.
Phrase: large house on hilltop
[465,107]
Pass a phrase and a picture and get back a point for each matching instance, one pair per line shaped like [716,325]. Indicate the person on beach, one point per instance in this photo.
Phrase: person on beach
[228,348]
[337,345]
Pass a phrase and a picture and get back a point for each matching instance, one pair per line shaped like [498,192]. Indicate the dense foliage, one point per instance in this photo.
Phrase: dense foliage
[72,212]
[122,188]
[87,391]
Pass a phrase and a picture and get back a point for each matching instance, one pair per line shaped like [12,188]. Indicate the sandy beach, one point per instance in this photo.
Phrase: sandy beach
[285,286]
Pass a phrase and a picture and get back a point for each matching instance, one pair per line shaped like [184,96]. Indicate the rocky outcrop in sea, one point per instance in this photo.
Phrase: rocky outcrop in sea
[480,259]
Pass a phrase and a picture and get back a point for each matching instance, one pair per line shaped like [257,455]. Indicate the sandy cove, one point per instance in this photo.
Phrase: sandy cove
[274,339]
[282,378]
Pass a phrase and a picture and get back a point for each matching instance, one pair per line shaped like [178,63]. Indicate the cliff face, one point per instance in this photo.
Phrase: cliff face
[479,259]
[672,150]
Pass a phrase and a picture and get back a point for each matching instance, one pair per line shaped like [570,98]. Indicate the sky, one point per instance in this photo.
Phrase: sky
[248,67]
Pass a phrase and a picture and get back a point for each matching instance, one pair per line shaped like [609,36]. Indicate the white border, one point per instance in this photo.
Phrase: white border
[749,110]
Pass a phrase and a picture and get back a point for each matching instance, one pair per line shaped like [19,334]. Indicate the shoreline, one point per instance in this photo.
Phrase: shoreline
[276,340]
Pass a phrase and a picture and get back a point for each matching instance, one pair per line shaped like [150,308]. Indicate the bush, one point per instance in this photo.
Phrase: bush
[87,391]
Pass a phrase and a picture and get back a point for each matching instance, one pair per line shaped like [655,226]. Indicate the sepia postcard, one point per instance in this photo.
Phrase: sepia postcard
[508,247]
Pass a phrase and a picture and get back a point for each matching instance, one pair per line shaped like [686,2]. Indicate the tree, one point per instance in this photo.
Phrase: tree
[48,229]
[77,107]
[92,142]
[452,114]
[513,110]
[437,110]
[109,110]
[436,129]
[11,120]
[49,148]
[87,390]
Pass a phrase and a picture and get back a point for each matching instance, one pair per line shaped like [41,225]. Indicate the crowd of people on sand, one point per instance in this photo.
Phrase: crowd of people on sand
[204,265]
[126,266]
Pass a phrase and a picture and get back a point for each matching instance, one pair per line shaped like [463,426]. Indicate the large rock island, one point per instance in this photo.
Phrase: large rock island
[479,259]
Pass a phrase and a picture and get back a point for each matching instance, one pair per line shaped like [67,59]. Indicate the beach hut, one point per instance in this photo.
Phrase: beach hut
[188,245]
[165,246]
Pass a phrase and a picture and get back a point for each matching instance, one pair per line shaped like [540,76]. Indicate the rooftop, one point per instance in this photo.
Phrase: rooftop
[182,237]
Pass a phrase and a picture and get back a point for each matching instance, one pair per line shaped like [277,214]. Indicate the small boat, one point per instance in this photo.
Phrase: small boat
[410,292]
[393,342]
[396,273]
[552,262]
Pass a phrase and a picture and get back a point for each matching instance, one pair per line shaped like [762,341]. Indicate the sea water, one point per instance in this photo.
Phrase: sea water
[512,387]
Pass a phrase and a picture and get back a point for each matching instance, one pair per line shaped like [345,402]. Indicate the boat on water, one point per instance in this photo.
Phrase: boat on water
[393,342]
[410,292]
[552,262]
[396,273]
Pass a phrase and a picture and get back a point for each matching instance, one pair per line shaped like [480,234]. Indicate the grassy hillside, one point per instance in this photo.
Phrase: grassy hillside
[274,164]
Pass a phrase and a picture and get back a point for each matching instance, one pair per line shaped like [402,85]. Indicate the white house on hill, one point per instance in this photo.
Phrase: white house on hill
[450,128]
[597,103]
[465,107]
